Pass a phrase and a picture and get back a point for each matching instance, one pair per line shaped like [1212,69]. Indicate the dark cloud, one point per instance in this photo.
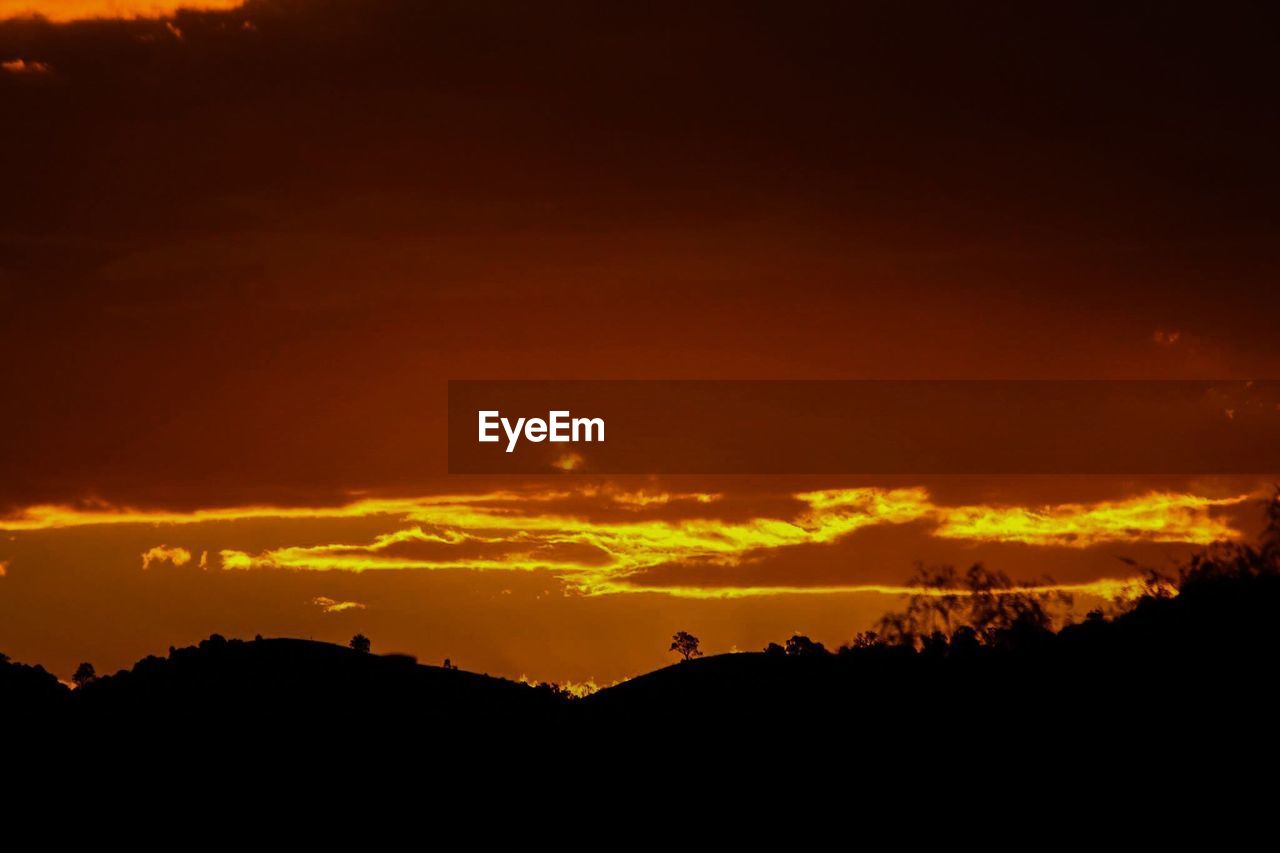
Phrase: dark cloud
[239,266]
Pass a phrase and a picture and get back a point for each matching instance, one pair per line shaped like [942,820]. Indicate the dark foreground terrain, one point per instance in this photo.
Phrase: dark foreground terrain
[1209,652]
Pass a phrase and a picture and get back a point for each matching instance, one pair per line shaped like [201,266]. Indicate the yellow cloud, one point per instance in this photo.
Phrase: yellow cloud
[165,554]
[837,512]
[56,516]
[558,542]
[547,530]
[62,11]
[329,605]
[1154,517]
[1108,589]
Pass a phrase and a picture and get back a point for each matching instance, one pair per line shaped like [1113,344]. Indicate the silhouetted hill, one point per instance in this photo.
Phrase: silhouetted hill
[29,691]
[1207,654]
[733,686]
[1198,664]
[293,685]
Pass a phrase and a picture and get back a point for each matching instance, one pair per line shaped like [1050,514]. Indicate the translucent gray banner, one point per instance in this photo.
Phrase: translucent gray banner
[864,427]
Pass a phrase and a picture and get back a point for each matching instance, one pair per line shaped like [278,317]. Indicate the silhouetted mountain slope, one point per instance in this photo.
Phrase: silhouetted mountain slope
[1199,665]
[1204,659]
[29,690]
[738,685]
[260,683]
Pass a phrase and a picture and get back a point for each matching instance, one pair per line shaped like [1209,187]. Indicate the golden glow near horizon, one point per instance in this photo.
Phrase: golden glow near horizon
[546,530]
[63,11]
[578,689]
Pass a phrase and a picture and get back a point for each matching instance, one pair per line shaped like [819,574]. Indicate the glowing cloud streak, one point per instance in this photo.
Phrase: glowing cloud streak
[537,530]
[1153,517]
[55,516]
[545,541]
[64,11]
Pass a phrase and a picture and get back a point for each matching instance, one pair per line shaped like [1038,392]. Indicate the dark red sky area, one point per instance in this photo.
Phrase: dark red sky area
[224,255]
[241,253]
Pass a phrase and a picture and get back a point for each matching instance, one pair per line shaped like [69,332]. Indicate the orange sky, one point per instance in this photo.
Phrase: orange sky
[244,251]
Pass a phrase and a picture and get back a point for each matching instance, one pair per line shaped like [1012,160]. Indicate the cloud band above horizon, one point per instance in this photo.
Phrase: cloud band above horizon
[603,539]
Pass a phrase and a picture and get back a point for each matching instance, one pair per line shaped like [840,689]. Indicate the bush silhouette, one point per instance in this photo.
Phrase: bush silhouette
[801,646]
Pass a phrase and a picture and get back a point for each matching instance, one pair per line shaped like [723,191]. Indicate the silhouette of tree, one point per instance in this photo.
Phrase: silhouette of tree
[1237,562]
[989,602]
[935,645]
[801,646]
[685,644]
[560,693]
[964,642]
[1269,552]
[774,650]
[360,643]
[84,674]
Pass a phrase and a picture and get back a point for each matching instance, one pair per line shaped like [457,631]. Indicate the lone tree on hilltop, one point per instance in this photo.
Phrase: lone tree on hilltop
[84,674]
[686,645]
[361,644]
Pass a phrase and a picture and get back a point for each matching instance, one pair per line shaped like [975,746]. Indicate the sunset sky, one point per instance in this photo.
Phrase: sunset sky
[244,246]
